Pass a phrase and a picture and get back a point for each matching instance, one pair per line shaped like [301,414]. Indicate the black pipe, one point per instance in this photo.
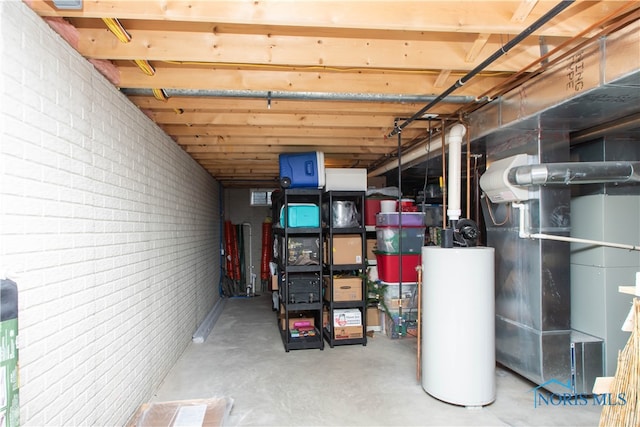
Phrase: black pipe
[399,209]
[539,23]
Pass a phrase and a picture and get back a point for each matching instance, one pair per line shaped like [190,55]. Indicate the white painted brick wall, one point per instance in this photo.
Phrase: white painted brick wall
[111,230]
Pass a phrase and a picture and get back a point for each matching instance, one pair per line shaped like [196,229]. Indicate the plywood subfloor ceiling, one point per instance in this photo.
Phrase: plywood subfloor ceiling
[247,80]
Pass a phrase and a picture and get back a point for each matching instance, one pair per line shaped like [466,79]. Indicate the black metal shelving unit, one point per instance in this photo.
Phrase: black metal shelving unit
[300,290]
[335,226]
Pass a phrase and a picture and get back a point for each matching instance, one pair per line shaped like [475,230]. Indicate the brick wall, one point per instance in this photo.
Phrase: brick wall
[110,230]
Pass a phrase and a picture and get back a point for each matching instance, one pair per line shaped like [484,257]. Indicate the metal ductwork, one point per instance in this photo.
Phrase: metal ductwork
[552,13]
[596,85]
[575,173]
[306,96]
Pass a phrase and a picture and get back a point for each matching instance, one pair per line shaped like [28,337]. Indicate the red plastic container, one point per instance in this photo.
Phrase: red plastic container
[371,208]
[389,267]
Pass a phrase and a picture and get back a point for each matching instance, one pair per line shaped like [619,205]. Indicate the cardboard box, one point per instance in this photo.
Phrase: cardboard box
[347,249]
[343,289]
[376,182]
[408,299]
[274,282]
[347,317]
[371,249]
[373,316]
[295,317]
[347,332]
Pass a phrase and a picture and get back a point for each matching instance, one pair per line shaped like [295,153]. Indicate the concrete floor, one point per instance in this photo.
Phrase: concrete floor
[374,385]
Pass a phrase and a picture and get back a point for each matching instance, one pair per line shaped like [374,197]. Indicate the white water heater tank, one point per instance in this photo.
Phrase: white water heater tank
[458,339]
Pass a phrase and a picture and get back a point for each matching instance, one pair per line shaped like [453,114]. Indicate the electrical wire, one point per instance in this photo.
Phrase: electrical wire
[336,69]
[117,29]
[160,94]
[145,66]
[493,219]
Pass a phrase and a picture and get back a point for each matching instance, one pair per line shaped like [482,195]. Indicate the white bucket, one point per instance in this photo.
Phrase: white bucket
[388,205]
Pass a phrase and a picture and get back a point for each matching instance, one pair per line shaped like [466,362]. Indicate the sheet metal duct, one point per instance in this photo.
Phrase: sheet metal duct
[598,84]
[533,331]
[575,173]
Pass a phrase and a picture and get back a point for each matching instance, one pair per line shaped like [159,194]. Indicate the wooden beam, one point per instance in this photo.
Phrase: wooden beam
[269,144]
[602,385]
[277,105]
[222,131]
[251,150]
[295,81]
[478,45]
[442,78]
[239,119]
[333,17]
[523,10]
[631,290]
[311,51]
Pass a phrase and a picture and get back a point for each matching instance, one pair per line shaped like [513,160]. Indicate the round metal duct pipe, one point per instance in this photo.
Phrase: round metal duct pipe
[310,96]
[575,173]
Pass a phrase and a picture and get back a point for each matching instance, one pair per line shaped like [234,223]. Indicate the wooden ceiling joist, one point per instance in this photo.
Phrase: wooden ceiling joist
[345,71]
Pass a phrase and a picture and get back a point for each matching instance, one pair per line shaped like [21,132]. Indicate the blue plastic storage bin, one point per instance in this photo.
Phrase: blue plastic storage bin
[301,215]
[302,170]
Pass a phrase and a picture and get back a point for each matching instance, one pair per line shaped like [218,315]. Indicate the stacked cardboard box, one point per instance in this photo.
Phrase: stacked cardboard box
[347,323]
[347,288]
[347,249]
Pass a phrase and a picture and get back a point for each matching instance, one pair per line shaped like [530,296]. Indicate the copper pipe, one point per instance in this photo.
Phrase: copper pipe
[419,321]
[552,13]
[515,79]
[605,32]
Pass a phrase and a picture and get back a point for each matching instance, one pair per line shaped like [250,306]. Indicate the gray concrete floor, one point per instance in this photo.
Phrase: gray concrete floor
[374,385]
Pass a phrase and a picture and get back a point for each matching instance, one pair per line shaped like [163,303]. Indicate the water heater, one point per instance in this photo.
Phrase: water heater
[458,360]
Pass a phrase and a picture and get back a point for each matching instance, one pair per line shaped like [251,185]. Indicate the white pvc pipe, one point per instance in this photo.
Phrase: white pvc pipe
[454,141]
[587,241]
[413,154]
[524,234]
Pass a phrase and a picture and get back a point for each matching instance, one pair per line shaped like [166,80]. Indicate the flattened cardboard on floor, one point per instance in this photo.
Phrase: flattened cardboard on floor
[199,412]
